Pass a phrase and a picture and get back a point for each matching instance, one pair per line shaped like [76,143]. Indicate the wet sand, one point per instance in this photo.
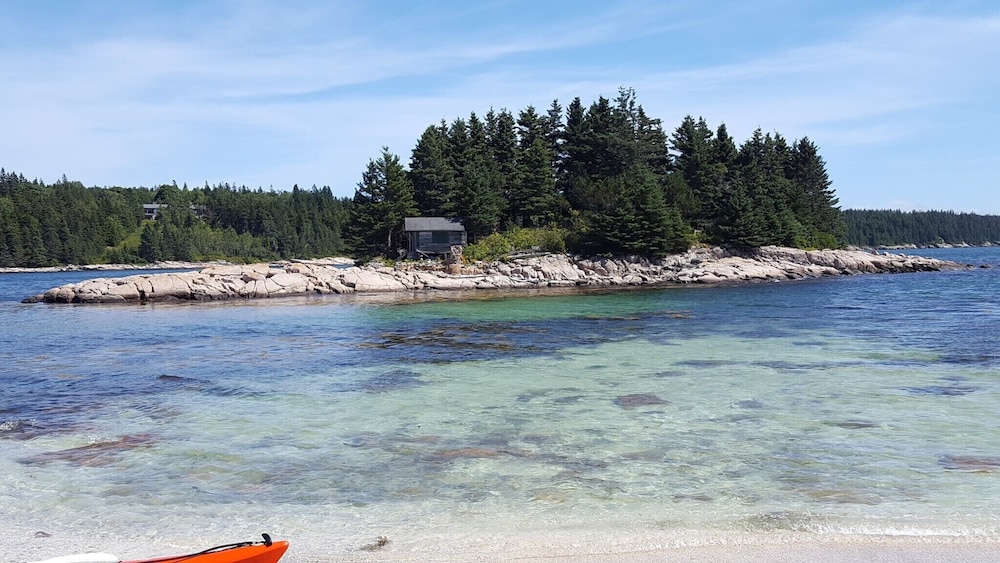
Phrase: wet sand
[888,551]
[865,549]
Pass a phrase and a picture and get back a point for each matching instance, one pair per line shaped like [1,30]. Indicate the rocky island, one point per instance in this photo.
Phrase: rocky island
[305,277]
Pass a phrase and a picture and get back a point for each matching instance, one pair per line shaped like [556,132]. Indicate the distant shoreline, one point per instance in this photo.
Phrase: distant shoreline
[113,267]
[931,246]
[165,265]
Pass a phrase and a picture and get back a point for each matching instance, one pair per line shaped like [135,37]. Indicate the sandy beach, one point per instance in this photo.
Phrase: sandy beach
[593,548]
[848,550]
[888,551]
[570,546]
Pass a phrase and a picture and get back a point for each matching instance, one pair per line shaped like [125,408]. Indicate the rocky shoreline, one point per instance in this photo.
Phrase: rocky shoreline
[333,276]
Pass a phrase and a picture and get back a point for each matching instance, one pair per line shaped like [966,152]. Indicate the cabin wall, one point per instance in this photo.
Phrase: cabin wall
[434,242]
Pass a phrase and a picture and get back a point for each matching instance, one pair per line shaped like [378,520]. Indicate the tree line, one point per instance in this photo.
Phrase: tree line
[603,178]
[875,227]
[608,176]
[66,223]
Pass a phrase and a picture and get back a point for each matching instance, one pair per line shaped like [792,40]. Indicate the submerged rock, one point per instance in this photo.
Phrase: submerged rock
[853,424]
[96,454]
[391,381]
[639,400]
[942,390]
[472,452]
[971,463]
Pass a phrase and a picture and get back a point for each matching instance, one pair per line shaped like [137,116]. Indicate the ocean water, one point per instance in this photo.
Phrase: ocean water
[504,423]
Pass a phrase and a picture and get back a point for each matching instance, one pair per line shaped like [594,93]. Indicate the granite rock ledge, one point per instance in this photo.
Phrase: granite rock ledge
[305,277]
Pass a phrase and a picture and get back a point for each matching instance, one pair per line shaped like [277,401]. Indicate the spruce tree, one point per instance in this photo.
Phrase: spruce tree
[817,205]
[383,198]
[740,223]
[478,198]
[695,162]
[538,202]
[432,173]
[501,131]
[641,222]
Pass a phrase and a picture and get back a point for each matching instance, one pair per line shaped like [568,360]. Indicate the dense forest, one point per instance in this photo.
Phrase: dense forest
[67,223]
[607,177]
[599,179]
[922,228]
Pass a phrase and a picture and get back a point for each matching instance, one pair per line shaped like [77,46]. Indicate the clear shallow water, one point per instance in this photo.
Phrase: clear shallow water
[856,405]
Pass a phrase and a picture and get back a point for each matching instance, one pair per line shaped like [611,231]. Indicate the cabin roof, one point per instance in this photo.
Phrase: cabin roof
[432,224]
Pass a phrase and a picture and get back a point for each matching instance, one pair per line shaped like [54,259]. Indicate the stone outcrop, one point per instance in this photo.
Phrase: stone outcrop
[304,277]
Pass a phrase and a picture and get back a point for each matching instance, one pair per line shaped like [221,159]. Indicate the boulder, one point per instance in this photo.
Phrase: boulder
[125,290]
[288,283]
[169,285]
[365,280]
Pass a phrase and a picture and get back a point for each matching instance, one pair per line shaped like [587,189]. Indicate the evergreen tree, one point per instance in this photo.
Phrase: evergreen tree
[571,160]
[432,173]
[641,222]
[479,199]
[816,205]
[533,200]
[552,125]
[694,161]
[724,152]
[740,223]
[151,245]
[383,198]
[538,202]
[502,134]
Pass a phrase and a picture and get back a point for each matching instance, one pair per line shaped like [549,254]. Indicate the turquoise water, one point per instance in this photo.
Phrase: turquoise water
[856,405]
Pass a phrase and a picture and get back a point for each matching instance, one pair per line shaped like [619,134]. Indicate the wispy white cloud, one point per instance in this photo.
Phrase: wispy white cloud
[904,65]
[263,94]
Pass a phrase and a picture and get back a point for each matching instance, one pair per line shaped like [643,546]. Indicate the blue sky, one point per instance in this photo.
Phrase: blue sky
[902,98]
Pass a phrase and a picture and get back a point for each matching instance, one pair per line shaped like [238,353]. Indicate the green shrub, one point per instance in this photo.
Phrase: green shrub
[498,245]
[490,248]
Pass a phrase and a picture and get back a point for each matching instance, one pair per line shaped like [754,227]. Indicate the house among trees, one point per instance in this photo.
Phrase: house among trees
[432,236]
[151,210]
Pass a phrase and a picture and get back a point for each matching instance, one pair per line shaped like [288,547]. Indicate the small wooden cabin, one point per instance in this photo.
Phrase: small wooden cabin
[432,236]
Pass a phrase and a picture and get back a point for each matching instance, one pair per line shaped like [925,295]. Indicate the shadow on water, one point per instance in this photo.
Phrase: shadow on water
[450,342]
[382,382]
[71,402]
[95,454]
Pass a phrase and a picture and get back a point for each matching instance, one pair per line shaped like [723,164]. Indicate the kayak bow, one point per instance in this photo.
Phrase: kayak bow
[266,551]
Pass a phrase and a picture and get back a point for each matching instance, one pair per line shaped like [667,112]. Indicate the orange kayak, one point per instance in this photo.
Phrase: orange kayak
[266,551]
